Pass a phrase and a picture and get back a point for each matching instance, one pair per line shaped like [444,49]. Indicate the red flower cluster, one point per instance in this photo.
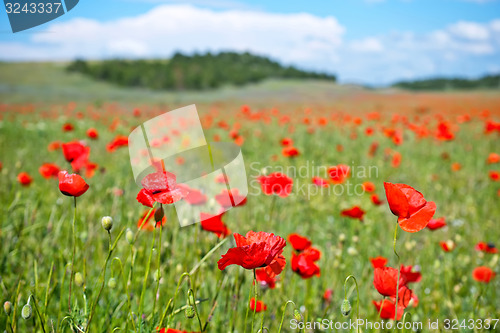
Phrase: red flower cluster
[304,257]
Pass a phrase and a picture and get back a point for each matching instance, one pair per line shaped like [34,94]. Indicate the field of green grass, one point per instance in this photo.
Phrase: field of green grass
[140,286]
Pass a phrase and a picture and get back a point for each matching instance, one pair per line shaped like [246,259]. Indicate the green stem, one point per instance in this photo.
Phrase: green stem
[195,268]
[404,319]
[158,274]
[283,315]
[399,272]
[171,303]
[38,312]
[144,282]
[255,297]
[72,258]
[357,292]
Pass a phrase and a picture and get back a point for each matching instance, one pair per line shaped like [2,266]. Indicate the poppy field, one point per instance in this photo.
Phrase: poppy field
[379,207]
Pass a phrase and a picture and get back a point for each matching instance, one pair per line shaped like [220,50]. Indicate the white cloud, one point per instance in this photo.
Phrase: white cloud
[470,30]
[368,45]
[292,38]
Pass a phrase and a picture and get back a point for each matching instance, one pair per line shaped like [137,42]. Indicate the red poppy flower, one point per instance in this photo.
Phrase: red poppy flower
[24,178]
[396,160]
[290,152]
[378,262]
[77,154]
[276,183]
[286,142]
[483,274]
[55,145]
[444,132]
[493,158]
[486,247]
[327,295]
[150,224]
[376,200]
[304,263]
[408,276]
[68,127]
[318,181]
[228,199]
[447,246]
[213,223]
[368,187]
[298,242]
[260,305]
[265,279]
[117,142]
[72,185]
[388,309]
[256,249]
[92,133]
[495,175]
[409,205]
[355,212]
[435,224]
[385,281]
[193,197]
[338,174]
[48,170]
[160,187]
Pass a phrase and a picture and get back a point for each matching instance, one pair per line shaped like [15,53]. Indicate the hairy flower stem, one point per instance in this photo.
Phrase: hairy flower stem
[283,315]
[255,296]
[145,281]
[38,312]
[103,272]
[399,272]
[158,274]
[357,293]
[72,258]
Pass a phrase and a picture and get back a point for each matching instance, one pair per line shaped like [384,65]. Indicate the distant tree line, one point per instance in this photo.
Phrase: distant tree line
[486,82]
[196,72]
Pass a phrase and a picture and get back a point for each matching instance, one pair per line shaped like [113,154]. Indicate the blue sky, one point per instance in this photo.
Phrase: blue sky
[365,41]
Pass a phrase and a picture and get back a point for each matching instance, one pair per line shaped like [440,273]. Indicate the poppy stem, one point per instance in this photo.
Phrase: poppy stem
[283,315]
[399,273]
[404,319]
[38,312]
[381,307]
[273,204]
[72,257]
[171,302]
[255,296]
[248,309]
[158,274]
[357,292]
[145,280]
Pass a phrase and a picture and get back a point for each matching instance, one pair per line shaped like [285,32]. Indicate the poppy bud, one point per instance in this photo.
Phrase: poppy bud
[189,312]
[129,235]
[27,312]
[159,214]
[107,223]
[346,307]
[297,315]
[78,279]
[7,307]
[112,283]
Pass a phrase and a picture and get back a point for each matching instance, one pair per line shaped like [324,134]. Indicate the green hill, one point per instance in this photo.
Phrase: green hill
[486,82]
[196,72]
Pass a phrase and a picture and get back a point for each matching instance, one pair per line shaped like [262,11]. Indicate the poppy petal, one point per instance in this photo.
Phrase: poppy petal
[398,203]
[419,220]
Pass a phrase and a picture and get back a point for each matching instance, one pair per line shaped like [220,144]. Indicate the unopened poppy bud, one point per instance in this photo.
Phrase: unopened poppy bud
[107,222]
[112,283]
[129,235]
[78,279]
[297,315]
[189,312]
[26,312]
[159,214]
[346,307]
[7,307]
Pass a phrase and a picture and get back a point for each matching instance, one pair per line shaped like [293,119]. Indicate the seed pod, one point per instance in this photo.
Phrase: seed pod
[7,307]
[107,223]
[26,312]
[129,235]
[78,279]
[297,315]
[189,312]
[346,307]
[112,283]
